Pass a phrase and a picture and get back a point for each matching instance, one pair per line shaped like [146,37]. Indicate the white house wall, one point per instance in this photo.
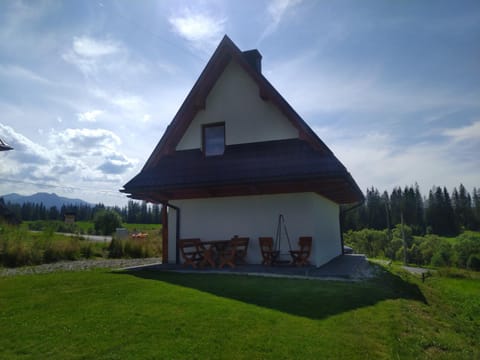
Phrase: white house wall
[235,100]
[306,214]
[327,228]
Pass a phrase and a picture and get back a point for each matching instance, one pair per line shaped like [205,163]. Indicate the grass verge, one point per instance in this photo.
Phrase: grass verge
[146,315]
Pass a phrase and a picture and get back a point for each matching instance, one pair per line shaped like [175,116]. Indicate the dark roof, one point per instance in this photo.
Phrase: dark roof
[254,168]
[301,165]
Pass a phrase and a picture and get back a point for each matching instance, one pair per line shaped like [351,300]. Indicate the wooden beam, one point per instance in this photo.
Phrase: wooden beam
[164,234]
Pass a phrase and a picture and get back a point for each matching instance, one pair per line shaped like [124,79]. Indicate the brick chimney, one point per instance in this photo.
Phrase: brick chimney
[254,59]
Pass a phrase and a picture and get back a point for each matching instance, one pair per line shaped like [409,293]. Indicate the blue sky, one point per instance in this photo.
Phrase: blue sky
[87,88]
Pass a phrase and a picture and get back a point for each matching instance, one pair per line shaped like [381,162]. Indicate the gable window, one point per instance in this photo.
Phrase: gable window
[213,139]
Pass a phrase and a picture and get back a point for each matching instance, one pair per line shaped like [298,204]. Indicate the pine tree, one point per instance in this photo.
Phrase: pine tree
[396,199]
[476,209]
[448,214]
[419,228]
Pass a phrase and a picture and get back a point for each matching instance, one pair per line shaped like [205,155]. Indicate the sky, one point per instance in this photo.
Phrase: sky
[87,88]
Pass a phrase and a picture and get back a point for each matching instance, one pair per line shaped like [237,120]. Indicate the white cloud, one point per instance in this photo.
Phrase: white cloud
[469,132]
[202,30]
[85,159]
[376,159]
[85,141]
[90,55]
[129,102]
[276,11]
[277,8]
[89,47]
[22,73]
[115,164]
[89,116]
[25,152]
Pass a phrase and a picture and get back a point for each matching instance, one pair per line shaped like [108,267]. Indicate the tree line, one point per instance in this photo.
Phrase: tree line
[438,213]
[134,212]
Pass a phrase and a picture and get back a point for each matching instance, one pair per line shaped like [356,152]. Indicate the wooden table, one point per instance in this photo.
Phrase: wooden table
[213,248]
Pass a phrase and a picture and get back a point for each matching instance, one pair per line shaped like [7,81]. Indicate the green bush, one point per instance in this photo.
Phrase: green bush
[421,250]
[438,260]
[106,221]
[468,243]
[16,255]
[443,254]
[367,241]
[473,262]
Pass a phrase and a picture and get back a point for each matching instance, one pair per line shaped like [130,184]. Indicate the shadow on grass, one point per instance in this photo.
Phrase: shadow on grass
[308,298]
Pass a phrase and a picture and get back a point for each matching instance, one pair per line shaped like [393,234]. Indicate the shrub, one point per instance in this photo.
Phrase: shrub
[116,248]
[133,248]
[468,244]
[367,241]
[473,262]
[438,260]
[86,250]
[62,250]
[16,255]
[106,221]
[394,249]
[443,255]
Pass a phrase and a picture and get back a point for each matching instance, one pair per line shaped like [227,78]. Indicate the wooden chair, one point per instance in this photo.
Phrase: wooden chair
[269,255]
[300,256]
[235,252]
[241,249]
[192,251]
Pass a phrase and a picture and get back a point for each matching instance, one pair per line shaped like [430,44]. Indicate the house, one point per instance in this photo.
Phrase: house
[235,157]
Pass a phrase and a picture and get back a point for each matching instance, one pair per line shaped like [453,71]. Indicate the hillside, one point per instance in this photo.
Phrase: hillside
[48,200]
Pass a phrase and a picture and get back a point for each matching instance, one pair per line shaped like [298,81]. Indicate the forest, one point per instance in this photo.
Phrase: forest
[438,230]
[438,213]
[133,213]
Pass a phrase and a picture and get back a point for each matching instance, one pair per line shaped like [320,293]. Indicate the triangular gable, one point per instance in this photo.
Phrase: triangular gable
[195,101]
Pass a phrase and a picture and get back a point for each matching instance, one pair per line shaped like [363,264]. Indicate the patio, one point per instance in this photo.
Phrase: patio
[344,267]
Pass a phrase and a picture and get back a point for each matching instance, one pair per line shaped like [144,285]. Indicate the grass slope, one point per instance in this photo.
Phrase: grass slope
[147,315]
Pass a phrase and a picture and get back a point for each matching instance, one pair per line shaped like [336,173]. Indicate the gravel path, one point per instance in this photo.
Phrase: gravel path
[78,265]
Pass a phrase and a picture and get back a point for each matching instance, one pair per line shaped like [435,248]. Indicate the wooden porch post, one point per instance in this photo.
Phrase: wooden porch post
[164,234]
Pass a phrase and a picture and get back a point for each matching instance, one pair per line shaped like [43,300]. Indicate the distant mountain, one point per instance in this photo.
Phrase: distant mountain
[48,200]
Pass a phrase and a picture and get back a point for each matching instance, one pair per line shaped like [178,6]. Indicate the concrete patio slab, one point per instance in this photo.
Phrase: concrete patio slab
[345,267]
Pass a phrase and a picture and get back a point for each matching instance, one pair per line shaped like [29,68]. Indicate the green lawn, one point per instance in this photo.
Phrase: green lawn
[152,315]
